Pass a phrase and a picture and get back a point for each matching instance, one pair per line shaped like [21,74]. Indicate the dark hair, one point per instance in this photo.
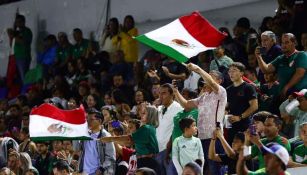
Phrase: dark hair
[261,116]
[21,18]
[46,143]
[238,65]
[277,119]
[146,171]
[243,22]
[168,86]
[97,113]
[196,168]
[61,165]
[118,96]
[185,123]
[25,130]
[240,136]
[131,18]
[23,99]
[77,30]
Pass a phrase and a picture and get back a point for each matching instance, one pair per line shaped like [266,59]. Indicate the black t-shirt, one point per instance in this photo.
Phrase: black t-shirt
[231,163]
[238,101]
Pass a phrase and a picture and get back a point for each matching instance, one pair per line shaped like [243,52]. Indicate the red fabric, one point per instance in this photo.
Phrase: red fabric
[127,152]
[75,116]
[202,30]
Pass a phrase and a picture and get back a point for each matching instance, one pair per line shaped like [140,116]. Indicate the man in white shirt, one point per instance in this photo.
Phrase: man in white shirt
[167,111]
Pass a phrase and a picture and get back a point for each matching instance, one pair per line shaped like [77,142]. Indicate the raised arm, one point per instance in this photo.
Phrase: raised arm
[186,104]
[265,68]
[122,140]
[228,150]
[212,153]
[207,77]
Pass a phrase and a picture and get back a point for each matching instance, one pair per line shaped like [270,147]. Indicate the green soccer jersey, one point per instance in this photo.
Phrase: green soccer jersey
[300,154]
[286,67]
[262,172]
[64,53]
[79,50]
[280,140]
[180,115]
[22,48]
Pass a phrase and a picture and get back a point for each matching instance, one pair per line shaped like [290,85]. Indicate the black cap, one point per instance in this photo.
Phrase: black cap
[243,22]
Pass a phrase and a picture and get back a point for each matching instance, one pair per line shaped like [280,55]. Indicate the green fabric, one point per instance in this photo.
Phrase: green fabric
[261,172]
[162,48]
[280,140]
[223,61]
[264,105]
[22,49]
[38,139]
[79,50]
[145,140]
[34,75]
[180,115]
[64,53]
[286,67]
[300,154]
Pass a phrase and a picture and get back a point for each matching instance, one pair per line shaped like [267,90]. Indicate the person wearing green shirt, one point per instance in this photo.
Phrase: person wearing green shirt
[187,148]
[177,132]
[272,126]
[22,47]
[81,46]
[290,67]
[300,152]
[64,51]
[144,138]
[276,158]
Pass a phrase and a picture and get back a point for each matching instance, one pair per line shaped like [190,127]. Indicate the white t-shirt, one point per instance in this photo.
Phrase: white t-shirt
[165,128]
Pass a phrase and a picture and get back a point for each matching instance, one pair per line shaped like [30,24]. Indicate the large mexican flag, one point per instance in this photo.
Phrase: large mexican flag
[48,122]
[184,38]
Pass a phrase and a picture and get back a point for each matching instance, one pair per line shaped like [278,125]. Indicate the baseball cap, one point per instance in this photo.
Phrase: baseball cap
[277,150]
[302,93]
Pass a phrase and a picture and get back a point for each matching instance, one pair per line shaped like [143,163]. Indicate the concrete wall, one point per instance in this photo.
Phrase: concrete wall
[45,16]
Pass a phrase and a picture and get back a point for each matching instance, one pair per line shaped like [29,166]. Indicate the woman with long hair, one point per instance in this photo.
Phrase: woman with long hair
[144,138]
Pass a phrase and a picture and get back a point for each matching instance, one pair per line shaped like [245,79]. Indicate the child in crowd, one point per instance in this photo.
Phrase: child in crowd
[186,148]
[300,152]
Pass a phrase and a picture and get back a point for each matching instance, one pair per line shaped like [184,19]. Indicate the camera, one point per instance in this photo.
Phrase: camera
[262,50]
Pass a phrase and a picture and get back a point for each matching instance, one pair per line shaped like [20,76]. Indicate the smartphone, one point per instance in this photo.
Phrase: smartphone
[262,50]
[252,129]
[115,124]
[218,125]
[247,151]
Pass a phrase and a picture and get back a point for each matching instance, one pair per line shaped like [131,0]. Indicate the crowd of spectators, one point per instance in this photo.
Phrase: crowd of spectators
[241,108]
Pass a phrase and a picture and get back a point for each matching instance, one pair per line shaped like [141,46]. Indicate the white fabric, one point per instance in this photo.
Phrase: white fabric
[166,125]
[191,81]
[206,105]
[175,30]
[39,128]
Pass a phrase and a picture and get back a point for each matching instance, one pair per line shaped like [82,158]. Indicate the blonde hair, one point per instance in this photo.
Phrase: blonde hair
[152,115]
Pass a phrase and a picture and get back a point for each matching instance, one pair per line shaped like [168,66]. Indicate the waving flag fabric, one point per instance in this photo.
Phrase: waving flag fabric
[48,122]
[184,38]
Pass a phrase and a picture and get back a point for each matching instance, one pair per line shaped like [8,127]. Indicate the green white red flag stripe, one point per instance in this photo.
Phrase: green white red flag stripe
[184,38]
[48,122]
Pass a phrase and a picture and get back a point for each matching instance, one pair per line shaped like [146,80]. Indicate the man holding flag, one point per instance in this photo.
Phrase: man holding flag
[182,39]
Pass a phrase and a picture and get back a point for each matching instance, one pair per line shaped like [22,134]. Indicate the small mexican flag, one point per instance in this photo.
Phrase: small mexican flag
[184,38]
[48,122]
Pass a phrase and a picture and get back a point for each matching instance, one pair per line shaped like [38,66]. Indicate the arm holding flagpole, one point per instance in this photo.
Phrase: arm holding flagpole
[122,140]
[207,77]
